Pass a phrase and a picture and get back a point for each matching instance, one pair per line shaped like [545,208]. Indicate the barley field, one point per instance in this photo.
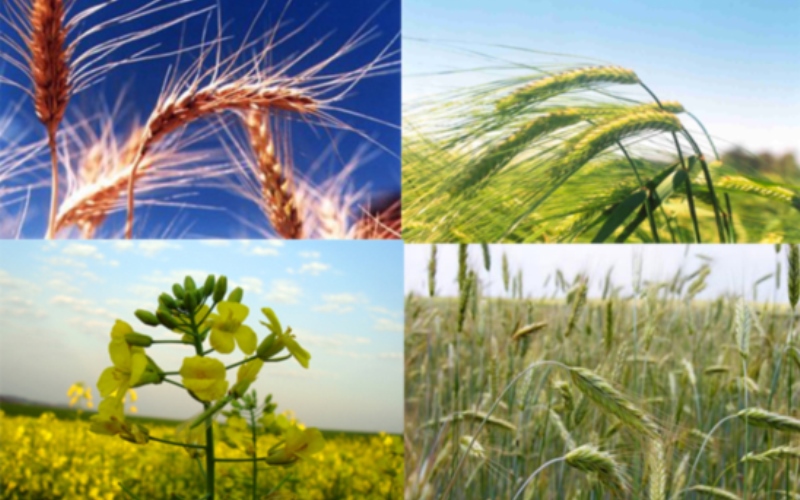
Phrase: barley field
[59,458]
[594,390]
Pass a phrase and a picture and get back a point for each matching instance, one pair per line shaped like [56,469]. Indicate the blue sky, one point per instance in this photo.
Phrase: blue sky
[733,63]
[372,106]
[734,268]
[344,301]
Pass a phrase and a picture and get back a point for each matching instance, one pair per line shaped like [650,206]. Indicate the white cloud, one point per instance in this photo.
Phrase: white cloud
[339,303]
[82,250]
[85,307]
[388,325]
[216,243]
[264,251]
[284,292]
[64,262]
[333,308]
[384,311]
[152,247]
[310,255]
[341,298]
[148,248]
[314,268]
[251,284]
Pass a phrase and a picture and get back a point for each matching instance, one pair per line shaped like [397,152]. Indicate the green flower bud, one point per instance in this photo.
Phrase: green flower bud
[188,284]
[269,347]
[236,295]
[138,339]
[199,297]
[177,290]
[167,301]
[220,288]
[208,288]
[189,301]
[166,319]
[146,317]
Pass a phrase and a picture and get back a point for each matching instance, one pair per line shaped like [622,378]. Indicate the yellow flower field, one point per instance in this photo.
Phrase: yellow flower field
[44,457]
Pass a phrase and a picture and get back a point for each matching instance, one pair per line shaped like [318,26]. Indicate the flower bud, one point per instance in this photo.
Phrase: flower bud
[236,295]
[139,339]
[177,290]
[220,288]
[166,319]
[208,287]
[270,346]
[189,301]
[167,301]
[146,317]
[188,284]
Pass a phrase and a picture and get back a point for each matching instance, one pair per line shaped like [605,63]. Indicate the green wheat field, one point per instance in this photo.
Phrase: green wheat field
[585,153]
[598,391]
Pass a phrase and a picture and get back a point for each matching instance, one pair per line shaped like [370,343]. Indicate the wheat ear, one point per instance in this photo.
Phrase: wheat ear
[589,459]
[794,275]
[527,330]
[777,453]
[551,86]
[714,492]
[49,65]
[758,417]
[173,113]
[656,464]
[277,185]
[608,398]
[104,178]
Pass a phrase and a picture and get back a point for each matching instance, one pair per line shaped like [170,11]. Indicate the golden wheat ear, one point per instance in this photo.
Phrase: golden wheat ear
[54,63]
[277,183]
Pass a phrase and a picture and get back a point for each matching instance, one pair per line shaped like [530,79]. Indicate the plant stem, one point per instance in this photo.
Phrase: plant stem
[174,383]
[173,443]
[209,458]
[51,226]
[255,454]
[245,360]
[171,342]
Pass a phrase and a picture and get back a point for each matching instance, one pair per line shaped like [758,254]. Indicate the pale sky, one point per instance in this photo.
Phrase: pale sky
[733,63]
[734,268]
[343,300]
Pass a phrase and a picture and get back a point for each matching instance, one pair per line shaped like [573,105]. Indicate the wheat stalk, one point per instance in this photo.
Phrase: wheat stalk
[432,272]
[277,185]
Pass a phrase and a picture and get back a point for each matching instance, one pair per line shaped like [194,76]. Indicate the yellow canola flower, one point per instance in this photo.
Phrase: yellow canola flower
[129,363]
[245,376]
[205,377]
[298,444]
[285,339]
[227,329]
[110,420]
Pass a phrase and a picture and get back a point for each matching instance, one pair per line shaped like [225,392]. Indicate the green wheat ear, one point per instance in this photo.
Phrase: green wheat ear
[777,453]
[714,492]
[590,459]
[551,86]
[758,417]
[612,401]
